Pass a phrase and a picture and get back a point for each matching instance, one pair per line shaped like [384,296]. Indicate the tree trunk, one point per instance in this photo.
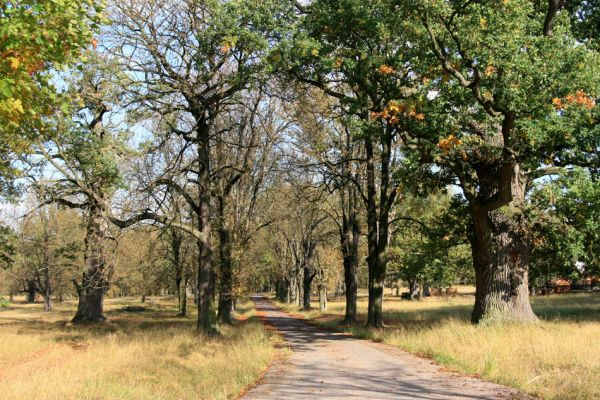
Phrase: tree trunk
[501,248]
[180,280]
[47,299]
[322,297]
[501,253]
[182,298]
[426,290]
[283,290]
[226,281]
[378,225]
[294,289]
[30,291]
[350,236]
[414,290]
[307,288]
[206,318]
[94,284]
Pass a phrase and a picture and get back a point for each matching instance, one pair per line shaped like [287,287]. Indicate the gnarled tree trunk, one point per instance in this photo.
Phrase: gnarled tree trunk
[501,252]
[94,283]
[206,318]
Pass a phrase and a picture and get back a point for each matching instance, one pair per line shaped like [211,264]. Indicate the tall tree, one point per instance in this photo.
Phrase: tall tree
[188,60]
[508,99]
[353,51]
[38,37]
[83,150]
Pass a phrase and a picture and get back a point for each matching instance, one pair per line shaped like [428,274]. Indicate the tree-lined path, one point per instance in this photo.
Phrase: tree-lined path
[328,365]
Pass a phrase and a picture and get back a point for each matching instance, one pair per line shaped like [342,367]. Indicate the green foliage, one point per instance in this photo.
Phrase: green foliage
[585,18]
[7,247]
[567,221]
[514,70]
[38,38]
[353,50]
[430,243]
[4,303]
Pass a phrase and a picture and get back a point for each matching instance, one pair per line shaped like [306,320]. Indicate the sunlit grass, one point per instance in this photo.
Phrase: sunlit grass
[147,355]
[559,358]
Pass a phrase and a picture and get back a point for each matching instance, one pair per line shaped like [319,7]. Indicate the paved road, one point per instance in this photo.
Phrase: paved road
[326,365]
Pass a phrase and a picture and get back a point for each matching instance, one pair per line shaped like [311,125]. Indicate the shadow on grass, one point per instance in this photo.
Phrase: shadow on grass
[160,323]
[567,307]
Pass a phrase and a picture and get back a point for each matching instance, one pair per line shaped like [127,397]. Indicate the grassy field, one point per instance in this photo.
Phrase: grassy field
[144,355]
[559,358]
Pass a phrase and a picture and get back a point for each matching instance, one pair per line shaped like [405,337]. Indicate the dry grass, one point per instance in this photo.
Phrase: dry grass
[149,355]
[559,358]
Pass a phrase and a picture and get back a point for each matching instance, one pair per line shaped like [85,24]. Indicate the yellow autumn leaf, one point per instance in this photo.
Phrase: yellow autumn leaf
[15,106]
[14,62]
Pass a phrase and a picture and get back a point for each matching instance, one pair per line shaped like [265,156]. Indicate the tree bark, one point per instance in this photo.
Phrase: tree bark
[308,247]
[180,280]
[414,289]
[501,251]
[378,227]
[94,284]
[30,290]
[226,276]
[322,296]
[46,285]
[307,288]
[294,289]
[182,296]
[350,236]
[47,294]
[206,318]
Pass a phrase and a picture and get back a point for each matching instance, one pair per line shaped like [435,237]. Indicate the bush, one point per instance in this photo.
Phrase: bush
[4,303]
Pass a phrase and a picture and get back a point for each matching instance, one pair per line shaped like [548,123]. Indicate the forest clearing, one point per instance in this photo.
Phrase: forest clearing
[288,199]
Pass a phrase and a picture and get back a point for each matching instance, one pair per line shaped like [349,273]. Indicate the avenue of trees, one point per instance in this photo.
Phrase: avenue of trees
[219,147]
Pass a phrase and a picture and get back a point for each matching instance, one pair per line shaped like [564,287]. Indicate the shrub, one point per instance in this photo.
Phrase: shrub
[4,303]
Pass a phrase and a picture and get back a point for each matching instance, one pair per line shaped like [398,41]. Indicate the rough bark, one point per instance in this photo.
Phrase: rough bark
[378,226]
[182,296]
[44,282]
[350,236]
[47,293]
[294,289]
[180,280]
[94,283]
[225,259]
[501,255]
[307,288]
[308,247]
[501,251]
[206,318]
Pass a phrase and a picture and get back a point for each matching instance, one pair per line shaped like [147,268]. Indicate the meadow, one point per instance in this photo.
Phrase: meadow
[136,355]
[558,358]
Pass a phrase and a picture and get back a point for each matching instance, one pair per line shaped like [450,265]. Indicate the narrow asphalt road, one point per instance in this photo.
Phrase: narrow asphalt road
[326,365]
